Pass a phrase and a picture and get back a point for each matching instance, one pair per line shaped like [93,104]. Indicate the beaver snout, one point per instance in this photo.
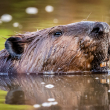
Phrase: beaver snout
[99,29]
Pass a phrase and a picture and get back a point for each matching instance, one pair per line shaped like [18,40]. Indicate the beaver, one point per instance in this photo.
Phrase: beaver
[80,46]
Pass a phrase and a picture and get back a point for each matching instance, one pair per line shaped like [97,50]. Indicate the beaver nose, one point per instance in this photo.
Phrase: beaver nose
[100,28]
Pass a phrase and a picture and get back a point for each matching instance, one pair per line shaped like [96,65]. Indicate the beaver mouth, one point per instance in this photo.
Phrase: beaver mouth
[95,55]
[95,47]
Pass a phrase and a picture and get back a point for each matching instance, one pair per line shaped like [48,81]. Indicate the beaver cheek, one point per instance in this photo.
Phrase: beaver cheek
[85,42]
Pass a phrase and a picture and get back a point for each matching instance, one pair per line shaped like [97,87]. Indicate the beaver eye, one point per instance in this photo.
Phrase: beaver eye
[58,34]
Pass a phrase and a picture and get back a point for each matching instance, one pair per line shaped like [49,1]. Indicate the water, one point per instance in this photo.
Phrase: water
[60,92]
[51,92]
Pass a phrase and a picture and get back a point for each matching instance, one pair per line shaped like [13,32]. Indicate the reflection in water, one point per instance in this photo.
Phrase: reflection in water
[51,99]
[36,106]
[72,92]
[49,86]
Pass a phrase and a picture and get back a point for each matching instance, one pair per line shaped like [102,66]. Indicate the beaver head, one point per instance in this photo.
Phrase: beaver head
[81,46]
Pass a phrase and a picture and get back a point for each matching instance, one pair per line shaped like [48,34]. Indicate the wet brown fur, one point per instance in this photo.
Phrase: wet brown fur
[75,50]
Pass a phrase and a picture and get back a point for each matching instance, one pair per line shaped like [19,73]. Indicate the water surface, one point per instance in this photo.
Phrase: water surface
[60,92]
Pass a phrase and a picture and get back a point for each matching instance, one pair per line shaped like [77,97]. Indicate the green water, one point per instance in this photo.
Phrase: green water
[62,12]
[4,106]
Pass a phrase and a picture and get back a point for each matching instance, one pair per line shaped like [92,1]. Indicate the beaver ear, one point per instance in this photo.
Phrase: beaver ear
[14,46]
